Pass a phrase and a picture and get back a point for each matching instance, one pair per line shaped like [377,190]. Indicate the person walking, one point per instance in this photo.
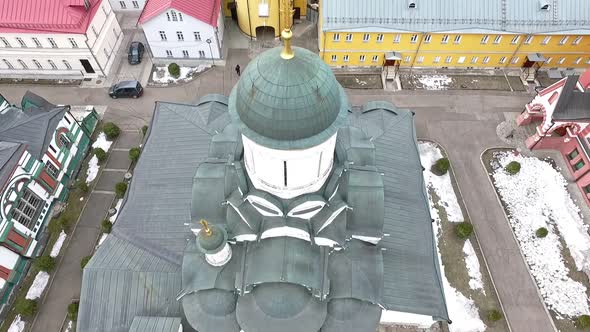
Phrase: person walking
[238,70]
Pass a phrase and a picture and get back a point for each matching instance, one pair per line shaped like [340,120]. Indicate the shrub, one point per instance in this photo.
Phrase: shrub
[513,167]
[494,315]
[111,130]
[73,311]
[58,224]
[84,261]
[25,307]
[440,167]
[134,154]
[82,185]
[583,322]
[100,155]
[542,232]
[44,263]
[463,230]
[106,226]
[174,70]
[144,130]
[120,189]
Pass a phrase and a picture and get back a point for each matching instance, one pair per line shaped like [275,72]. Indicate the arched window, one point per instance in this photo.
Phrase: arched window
[37,64]
[23,64]
[8,64]
[67,64]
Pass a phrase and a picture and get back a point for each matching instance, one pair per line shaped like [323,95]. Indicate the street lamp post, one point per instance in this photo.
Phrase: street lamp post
[210,51]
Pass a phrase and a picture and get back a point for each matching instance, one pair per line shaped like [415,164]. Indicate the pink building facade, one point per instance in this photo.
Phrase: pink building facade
[562,112]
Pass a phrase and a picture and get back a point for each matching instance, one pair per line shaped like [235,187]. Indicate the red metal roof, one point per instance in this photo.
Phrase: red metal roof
[203,10]
[585,79]
[46,16]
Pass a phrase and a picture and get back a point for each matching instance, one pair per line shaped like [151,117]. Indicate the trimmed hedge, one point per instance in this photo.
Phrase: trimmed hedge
[441,166]
[84,261]
[174,70]
[134,154]
[83,186]
[542,232]
[25,307]
[44,263]
[111,130]
[120,189]
[144,130]
[100,154]
[106,226]
[513,167]
[58,224]
[73,311]
[494,315]
[463,230]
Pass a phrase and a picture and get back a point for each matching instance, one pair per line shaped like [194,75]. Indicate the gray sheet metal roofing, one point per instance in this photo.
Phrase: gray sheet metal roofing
[155,324]
[517,16]
[137,270]
[10,154]
[572,104]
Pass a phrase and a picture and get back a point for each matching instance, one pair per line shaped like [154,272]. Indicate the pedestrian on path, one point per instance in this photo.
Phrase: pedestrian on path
[238,70]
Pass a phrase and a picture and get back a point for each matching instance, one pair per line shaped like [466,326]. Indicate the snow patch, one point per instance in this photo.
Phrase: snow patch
[113,218]
[102,238]
[92,170]
[17,325]
[434,82]
[404,318]
[81,199]
[38,286]
[185,72]
[58,244]
[69,327]
[473,268]
[102,142]
[537,197]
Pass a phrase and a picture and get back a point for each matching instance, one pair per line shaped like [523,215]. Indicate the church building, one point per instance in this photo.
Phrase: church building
[278,208]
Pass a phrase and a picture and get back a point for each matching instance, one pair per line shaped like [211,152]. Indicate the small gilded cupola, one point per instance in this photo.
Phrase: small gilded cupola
[212,241]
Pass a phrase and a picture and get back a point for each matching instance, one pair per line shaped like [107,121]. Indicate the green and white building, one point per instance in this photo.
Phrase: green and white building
[41,148]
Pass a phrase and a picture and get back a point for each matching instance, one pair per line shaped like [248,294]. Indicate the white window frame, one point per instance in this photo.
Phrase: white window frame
[51,169]
[444,39]
[546,40]
[362,58]
[397,38]
[52,64]
[73,42]
[52,42]
[486,59]
[348,37]
[366,37]
[201,54]
[474,59]
[514,60]
[577,40]
[515,40]
[185,53]
[461,60]
[197,35]
[427,39]
[336,37]
[37,42]
[21,42]
[37,64]
[407,59]
[8,64]
[5,42]
[380,38]
[448,59]
[549,59]
[528,40]
[135,4]
[123,4]
[26,208]
[163,36]
[561,61]
[375,58]
[457,39]
[578,60]
[564,40]
[180,35]
[174,16]
[334,58]
[502,60]
[497,39]
[436,59]
[484,39]
[169,53]
[414,39]
[345,58]
[420,59]
[22,64]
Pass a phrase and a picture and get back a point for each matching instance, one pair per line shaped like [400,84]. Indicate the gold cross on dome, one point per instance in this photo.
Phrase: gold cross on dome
[206,227]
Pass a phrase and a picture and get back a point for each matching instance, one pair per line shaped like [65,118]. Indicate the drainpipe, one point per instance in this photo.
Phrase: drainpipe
[417,52]
[537,142]
[324,48]
[249,21]
[509,62]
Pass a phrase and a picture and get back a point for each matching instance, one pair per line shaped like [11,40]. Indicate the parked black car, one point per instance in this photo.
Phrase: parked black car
[127,89]
[135,54]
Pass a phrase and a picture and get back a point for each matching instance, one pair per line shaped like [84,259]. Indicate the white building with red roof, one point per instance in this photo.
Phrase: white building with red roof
[183,29]
[57,39]
[127,5]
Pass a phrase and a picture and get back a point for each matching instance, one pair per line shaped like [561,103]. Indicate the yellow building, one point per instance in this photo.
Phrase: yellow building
[455,33]
[260,18]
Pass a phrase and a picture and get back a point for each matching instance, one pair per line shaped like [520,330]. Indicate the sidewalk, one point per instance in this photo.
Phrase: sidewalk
[67,278]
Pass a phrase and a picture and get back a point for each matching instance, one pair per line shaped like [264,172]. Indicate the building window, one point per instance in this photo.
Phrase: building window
[587,189]
[461,59]
[52,64]
[445,39]
[37,64]
[135,4]
[67,64]
[169,53]
[474,59]
[573,154]
[336,37]
[348,37]
[561,61]
[23,64]
[420,59]
[546,40]
[163,36]
[64,141]
[37,42]
[578,60]
[73,42]
[498,39]
[588,61]
[285,172]
[380,38]
[180,35]
[94,31]
[52,170]
[6,43]
[548,61]
[174,16]
[486,59]
[579,165]
[21,42]
[457,39]
[185,53]
[502,60]
[427,39]
[514,40]
[577,40]
[362,58]
[197,36]
[8,64]
[26,209]
[436,59]
[563,40]
[345,58]
[407,58]
[484,39]
[168,16]
[366,37]
[52,42]
[448,59]
[123,4]
[397,38]
[514,60]
[104,11]
[201,54]
[528,40]
[414,39]
[334,58]
[180,17]
[375,58]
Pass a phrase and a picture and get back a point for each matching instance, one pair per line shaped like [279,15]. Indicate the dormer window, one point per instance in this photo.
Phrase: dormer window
[412,4]
[544,5]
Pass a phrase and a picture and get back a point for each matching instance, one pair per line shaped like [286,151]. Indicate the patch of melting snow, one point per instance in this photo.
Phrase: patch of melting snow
[38,286]
[102,142]
[17,325]
[58,244]
[473,268]
[92,170]
[434,82]
[185,72]
[537,197]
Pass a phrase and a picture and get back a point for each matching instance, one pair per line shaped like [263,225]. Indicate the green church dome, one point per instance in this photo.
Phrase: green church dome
[282,101]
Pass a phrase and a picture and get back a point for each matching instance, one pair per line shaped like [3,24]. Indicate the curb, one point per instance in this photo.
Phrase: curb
[485,261]
[513,235]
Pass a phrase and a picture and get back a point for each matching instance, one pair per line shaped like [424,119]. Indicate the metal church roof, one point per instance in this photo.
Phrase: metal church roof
[478,16]
[155,324]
